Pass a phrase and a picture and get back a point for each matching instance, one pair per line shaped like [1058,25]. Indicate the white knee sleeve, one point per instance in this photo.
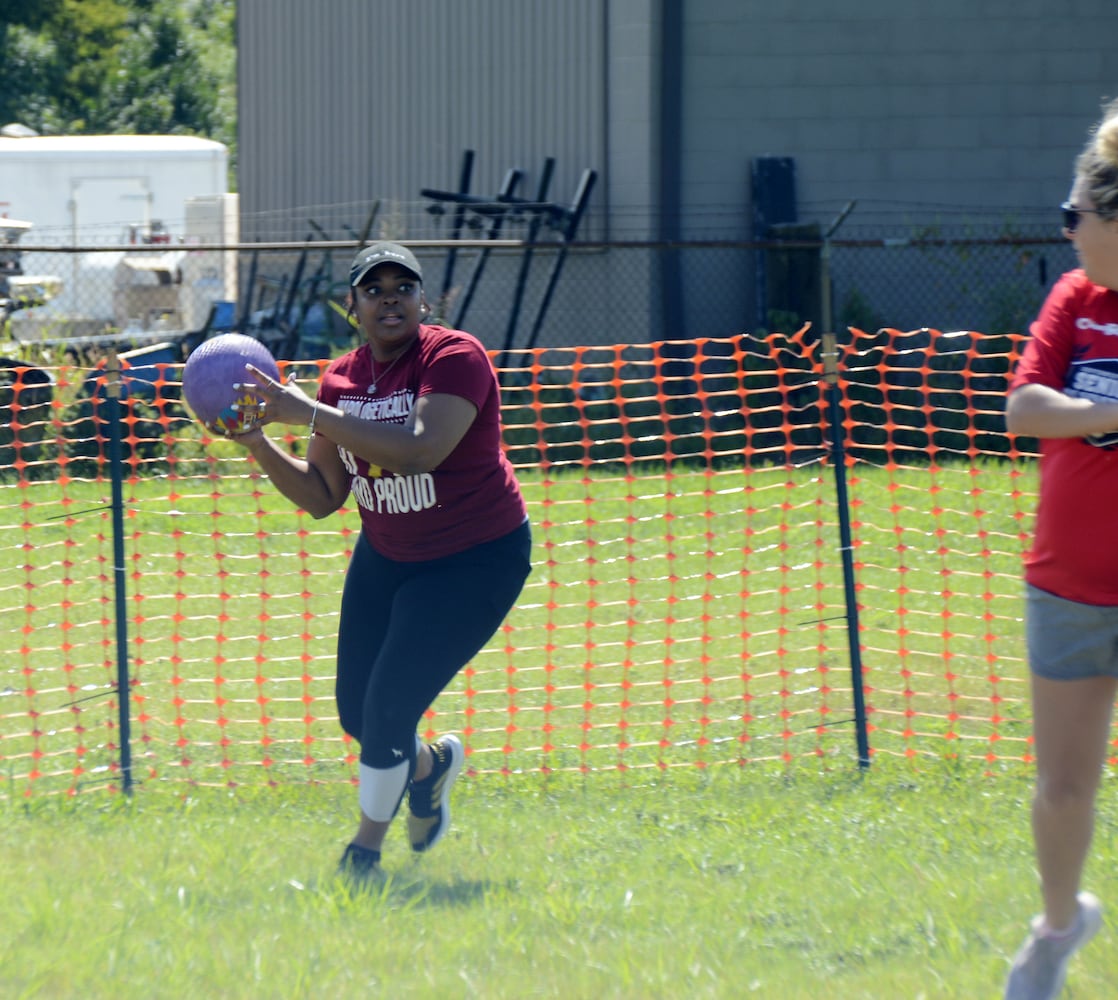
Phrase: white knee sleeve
[381,789]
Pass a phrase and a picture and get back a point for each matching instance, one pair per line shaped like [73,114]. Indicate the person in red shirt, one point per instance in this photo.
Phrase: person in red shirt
[1065,392]
[408,424]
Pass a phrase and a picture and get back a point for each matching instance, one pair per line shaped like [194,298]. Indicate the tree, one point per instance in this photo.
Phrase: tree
[85,37]
[22,55]
[120,66]
[161,85]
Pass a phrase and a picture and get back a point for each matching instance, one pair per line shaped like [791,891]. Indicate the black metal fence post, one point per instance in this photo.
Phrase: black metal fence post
[116,474]
[846,545]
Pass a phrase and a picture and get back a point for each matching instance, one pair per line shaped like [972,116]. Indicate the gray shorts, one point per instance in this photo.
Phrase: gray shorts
[1067,640]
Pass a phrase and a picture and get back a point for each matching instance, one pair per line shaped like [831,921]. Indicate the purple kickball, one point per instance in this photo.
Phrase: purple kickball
[212,371]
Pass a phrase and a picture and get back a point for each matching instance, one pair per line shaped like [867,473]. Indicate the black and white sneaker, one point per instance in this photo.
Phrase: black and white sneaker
[429,799]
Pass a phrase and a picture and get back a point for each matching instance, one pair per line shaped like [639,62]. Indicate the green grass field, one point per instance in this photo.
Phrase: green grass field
[663,798]
[899,883]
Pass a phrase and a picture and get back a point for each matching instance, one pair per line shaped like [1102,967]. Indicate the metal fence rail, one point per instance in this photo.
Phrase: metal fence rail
[517,296]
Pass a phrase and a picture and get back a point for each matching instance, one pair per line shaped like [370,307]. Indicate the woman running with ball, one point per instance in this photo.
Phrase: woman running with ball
[409,425]
[1065,392]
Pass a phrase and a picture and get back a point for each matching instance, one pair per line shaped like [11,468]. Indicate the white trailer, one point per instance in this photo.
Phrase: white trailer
[105,190]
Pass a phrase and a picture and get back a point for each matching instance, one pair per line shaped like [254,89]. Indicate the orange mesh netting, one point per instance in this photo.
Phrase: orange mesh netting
[686,609]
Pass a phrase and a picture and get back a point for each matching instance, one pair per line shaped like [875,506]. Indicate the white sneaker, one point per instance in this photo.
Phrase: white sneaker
[1040,967]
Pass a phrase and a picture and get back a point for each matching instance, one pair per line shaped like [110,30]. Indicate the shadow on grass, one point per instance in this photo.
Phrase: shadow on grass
[409,890]
[458,892]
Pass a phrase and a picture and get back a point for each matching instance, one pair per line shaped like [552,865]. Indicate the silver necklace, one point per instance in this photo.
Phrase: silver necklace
[376,378]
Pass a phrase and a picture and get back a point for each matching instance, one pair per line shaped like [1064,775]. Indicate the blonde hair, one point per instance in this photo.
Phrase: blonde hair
[1097,165]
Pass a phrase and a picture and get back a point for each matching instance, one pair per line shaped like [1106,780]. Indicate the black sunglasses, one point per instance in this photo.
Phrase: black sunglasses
[1072,214]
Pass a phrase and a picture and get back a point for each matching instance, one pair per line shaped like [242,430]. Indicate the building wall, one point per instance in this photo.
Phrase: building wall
[975,106]
[954,115]
[351,101]
[347,106]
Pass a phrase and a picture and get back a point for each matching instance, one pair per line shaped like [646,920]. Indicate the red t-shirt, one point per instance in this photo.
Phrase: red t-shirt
[1074,348]
[473,497]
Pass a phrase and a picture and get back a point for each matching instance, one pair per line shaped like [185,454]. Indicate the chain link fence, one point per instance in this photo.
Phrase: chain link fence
[64,300]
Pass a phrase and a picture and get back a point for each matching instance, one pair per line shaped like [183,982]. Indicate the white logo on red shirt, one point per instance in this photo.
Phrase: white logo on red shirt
[1109,329]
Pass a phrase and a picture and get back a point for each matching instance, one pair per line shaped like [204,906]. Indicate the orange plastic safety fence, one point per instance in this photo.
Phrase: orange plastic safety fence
[686,607]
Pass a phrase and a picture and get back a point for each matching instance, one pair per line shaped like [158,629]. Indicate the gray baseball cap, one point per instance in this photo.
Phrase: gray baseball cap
[382,253]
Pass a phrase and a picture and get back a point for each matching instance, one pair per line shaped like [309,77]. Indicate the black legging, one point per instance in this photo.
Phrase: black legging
[407,628]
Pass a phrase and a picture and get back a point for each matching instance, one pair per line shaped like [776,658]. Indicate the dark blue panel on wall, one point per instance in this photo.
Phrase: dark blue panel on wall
[773,193]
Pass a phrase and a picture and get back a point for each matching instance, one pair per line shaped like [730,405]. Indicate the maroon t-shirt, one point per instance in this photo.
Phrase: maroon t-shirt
[473,497]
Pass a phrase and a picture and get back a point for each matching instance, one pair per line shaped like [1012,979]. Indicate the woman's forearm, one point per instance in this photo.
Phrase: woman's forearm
[1040,411]
[296,478]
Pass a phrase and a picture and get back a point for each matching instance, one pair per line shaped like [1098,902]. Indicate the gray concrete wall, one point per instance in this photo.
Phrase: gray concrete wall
[969,105]
[954,117]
